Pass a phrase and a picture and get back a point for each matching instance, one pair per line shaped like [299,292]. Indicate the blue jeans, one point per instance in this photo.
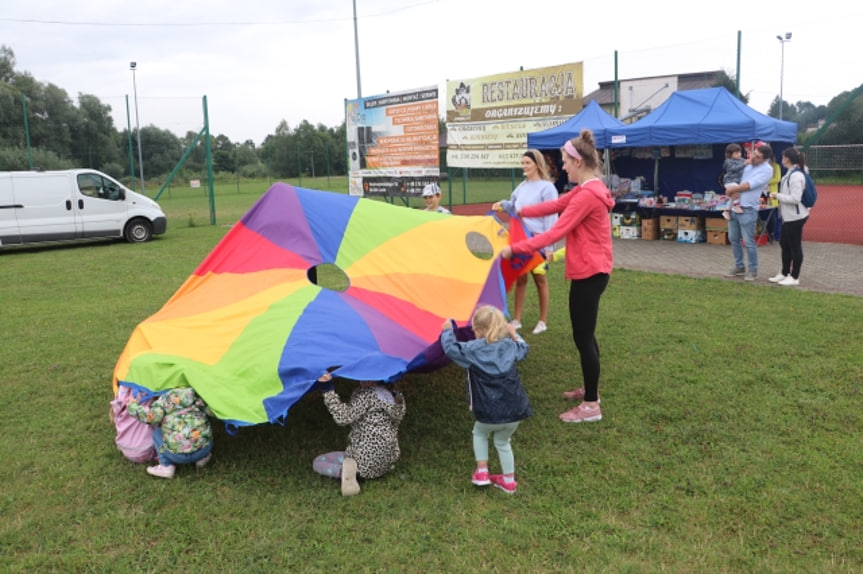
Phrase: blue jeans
[170,458]
[743,225]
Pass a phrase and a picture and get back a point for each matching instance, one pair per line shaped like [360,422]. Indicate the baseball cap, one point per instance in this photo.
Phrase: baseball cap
[431,189]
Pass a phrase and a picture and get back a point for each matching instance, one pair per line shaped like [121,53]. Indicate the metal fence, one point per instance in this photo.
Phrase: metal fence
[836,161]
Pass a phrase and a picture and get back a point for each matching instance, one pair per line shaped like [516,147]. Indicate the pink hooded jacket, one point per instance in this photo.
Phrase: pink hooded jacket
[585,222]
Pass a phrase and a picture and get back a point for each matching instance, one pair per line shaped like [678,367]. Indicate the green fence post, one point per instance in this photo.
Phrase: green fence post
[209,163]
[299,164]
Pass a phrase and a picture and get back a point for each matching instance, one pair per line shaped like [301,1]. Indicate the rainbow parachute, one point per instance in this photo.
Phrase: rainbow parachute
[251,333]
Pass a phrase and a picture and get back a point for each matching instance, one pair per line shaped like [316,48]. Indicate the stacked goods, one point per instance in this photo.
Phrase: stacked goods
[668,227]
[650,228]
[717,231]
[630,225]
[690,229]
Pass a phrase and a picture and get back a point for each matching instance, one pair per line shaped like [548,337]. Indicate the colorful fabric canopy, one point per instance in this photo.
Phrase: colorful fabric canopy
[251,333]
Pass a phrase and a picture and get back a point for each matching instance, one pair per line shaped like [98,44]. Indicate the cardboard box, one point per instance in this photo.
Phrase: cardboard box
[691,236]
[649,234]
[716,223]
[690,222]
[717,237]
[616,219]
[649,224]
[615,231]
[631,218]
[630,232]
[668,234]
[668,222]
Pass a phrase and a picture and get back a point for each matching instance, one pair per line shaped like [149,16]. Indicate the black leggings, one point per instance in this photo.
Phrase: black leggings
[584,297]
[791,243]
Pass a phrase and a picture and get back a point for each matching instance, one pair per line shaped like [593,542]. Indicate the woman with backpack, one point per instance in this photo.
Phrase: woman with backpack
[794,216]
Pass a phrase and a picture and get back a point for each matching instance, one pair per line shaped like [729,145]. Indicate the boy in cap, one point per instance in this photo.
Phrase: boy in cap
[431,197]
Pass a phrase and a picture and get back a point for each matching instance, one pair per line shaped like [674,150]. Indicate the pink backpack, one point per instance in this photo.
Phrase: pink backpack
[134,438]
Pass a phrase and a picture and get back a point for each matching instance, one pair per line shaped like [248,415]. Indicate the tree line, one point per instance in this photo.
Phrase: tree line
[65,135]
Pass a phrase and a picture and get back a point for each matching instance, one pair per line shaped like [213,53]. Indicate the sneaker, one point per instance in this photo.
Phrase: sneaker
[790,281]
[582,414]
[736,272]
[540,327]
[480,478]
[515,323]
[350,486]
[578,395]
[751,276]
[203,462]
[161,471]
[726,215]
[507,487]
[777,278]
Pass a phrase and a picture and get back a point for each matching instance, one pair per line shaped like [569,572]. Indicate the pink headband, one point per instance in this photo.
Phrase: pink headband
[570,149]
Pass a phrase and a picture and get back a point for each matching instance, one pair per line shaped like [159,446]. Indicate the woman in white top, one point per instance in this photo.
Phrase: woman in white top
[794,216]
[536,188]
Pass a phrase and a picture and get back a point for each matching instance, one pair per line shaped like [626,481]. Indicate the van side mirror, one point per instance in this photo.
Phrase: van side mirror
[122,194]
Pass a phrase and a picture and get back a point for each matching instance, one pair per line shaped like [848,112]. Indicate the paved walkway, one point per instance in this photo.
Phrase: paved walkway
[828,267]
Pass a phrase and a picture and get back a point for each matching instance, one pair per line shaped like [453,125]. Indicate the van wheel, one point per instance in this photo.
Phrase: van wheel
[138,231]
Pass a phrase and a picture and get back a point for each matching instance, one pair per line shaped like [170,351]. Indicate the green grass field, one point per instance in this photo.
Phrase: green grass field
[730,440]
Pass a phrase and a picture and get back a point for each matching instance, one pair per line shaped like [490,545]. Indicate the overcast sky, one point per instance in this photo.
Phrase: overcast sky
[262,61]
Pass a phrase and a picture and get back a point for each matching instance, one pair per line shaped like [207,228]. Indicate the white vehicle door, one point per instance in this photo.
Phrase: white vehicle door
[9,234]
[100,202]
[47,211]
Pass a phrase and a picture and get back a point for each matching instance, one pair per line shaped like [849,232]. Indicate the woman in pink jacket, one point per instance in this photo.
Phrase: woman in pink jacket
[584,220]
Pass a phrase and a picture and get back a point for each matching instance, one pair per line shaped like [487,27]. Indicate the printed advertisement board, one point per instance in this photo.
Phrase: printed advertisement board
[488,118]
[393,142]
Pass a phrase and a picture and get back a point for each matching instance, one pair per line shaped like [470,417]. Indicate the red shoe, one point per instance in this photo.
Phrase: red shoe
[582,414]
[480,478]
[507,487]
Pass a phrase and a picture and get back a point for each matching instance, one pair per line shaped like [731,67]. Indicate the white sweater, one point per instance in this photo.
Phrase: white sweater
[790,191]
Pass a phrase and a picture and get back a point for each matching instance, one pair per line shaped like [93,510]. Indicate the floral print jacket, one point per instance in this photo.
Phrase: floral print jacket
[182,416]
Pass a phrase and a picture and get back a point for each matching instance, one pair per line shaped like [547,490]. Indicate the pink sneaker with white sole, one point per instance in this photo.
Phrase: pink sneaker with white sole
[582,414]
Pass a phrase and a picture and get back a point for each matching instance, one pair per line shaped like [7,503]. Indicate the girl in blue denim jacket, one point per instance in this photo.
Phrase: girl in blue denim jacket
[496,396]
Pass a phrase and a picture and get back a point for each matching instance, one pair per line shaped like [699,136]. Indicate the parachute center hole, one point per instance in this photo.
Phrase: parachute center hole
[329,276]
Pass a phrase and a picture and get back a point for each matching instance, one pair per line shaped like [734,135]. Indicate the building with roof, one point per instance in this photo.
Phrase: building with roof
[640,96]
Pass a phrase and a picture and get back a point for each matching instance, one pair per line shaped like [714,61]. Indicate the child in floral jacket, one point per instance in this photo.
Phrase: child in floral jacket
[183,434]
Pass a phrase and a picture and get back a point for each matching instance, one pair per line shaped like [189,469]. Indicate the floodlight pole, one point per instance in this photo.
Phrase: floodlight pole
[357,52]
[133,66]
[782,41]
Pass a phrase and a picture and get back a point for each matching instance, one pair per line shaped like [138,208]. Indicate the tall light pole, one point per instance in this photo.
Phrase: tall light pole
[133,66]
[782,41]
[357,52]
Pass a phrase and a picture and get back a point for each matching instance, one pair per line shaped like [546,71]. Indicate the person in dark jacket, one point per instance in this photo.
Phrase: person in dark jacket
[495,394]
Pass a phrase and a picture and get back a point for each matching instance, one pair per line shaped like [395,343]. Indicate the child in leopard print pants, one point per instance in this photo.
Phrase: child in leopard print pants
[374,413]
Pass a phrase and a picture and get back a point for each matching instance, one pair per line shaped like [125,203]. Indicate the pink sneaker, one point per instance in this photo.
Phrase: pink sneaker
[577,395]
[582,414]
[507,487]
[480,478]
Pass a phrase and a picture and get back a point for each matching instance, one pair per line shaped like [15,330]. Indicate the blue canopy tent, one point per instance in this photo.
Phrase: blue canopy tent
[695,117]
[592,116]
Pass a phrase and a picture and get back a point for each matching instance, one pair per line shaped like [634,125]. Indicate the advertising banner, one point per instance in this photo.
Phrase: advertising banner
[488,118]
[393,142]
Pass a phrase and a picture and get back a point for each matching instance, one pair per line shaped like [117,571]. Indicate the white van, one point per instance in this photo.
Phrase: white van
[38,206]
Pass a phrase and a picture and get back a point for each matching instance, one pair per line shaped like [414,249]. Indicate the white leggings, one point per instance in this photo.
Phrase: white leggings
[502,434]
